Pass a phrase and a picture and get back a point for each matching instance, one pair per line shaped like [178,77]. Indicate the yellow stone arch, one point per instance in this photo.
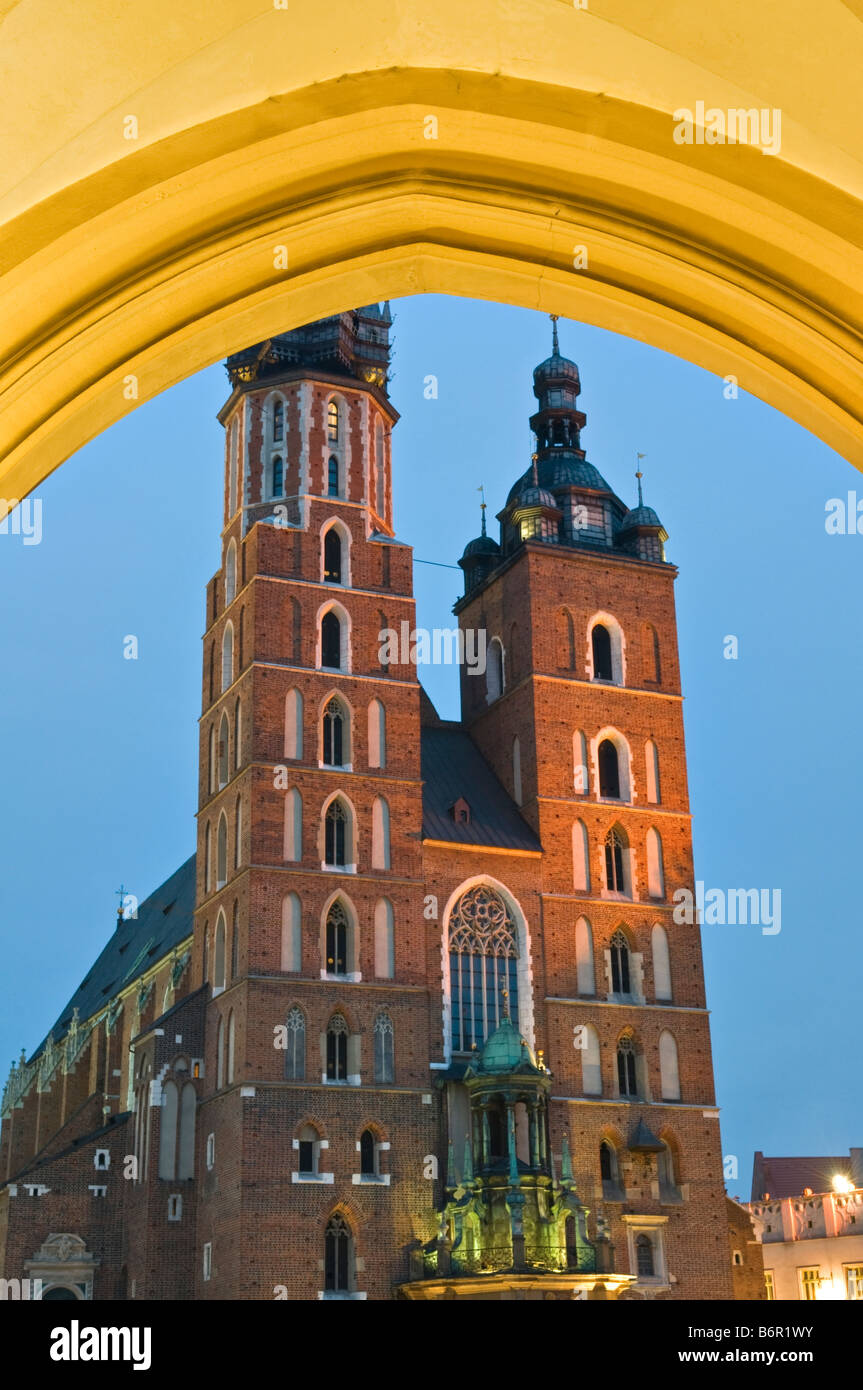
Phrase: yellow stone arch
[161,157]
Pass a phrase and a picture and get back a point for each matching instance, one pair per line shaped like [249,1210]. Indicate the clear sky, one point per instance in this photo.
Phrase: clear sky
[99,778]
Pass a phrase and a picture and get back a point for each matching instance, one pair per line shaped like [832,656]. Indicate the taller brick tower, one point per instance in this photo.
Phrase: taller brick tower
[309,921]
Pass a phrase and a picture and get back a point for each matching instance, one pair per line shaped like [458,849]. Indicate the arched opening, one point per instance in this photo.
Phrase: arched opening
[609,770]
[295,1045]
[224,751]
[601,640]
[332,556]
[617,862]
[231,573]
[483,962]
[338,1256]
[337,1049]
[335,739]
[627,1074]
[337,835]
[227,656]
[338,940]
[308,1144]
[384,1043]
[368,1154]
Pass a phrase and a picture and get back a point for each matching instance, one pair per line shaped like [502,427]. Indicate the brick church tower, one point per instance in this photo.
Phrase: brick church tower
[415,1021]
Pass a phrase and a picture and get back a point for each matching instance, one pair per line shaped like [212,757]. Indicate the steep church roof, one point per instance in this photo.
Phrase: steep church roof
[453,769]
[164,920]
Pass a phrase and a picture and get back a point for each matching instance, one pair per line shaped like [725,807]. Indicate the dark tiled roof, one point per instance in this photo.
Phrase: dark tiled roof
[453,767]
[164,920]
[787,1177]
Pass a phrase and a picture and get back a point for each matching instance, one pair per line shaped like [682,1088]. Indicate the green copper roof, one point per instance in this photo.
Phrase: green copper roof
[505,1051]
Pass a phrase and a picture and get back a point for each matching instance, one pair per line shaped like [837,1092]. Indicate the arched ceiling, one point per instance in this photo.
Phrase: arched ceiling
[128,263]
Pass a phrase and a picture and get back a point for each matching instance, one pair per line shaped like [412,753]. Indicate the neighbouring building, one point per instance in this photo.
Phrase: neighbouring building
[808,1216]
[415,1021]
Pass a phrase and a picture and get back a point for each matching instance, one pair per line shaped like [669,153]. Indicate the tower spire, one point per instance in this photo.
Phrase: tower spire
[639,475]
[555,346]
[481,490]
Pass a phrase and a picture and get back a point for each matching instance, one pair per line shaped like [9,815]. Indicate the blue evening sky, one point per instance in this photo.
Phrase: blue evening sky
[99,768]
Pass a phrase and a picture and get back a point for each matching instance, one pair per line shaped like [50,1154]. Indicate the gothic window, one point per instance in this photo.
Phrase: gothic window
[331,641]
[211,760]
[238,724]
[644,1262]
[293,825]
[224,757]
[626,1078]
[586,982]
[380,834]
[608,1168]
[338,929]
[655,869]
[602,667]
[335,730]
[615,862]
[609,769]
[309,1149]
[229,1060]
[336,835]
[332,557]
[483,957]
[278,484]
[384,1048]
[377,734]
[293,724]
[231,574]
[337,1049]
[333,422]
[333,476]
[651,761]
[661,962]
[292,942]
[619,964]
[227,656]
[235,942]
[338,1251]
[278,421]
[669,1067]
[222,853]
[580,858]
[219,961]
[295,1051]
[368,1154]
[384,939]
[494,670]
[186,1147]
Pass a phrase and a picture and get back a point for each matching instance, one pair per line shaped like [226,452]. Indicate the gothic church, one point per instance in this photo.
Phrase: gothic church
[415,1020]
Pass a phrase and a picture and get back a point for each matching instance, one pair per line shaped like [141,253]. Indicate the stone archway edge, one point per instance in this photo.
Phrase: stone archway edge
[161,262]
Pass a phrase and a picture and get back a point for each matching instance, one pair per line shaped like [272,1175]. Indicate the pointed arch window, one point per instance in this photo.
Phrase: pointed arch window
[333,476]
[331,641]
[384,939]
[295,1050]
[609,769]
[615,862]
[377,734]
[384,1048]
[333,422]
[229,1061]
[483,959]
[602,665]
[380,834]
[278,477]
[278,421]
[227,656]
[238,729]
[309,1147]
[335,734]
[332,557]
[292,940]
[222,853]
[336,835]
[238,833]
[231,574]
[337,1049]
[368,1154]
[293,724]
[338,1255]
[224,751]
[620,971]
[235,942]
[608,1163]
[338,940]
[627,1084]
[494,671]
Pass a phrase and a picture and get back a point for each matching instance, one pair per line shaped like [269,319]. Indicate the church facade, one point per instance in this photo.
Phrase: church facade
[415,1020]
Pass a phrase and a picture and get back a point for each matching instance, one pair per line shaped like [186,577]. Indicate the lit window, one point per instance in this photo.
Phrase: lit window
[333,422]
[809,1281]
[483,958]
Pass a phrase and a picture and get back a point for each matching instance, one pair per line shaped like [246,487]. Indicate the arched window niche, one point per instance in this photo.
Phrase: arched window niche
[486,965]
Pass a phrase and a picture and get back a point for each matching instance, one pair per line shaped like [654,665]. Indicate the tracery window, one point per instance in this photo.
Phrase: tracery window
[295,1052]
[615,876]
[338,927]
[334,835]
[337,1049]
[337,1255]
[619,964]
[384,1048]
[626,1076]
[334,723]
[483,957]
